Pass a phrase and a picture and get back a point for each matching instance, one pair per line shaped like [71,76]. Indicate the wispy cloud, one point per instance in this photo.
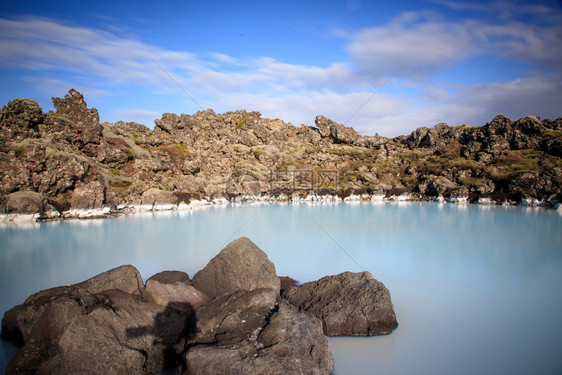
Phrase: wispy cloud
[41,44]
[436,44]
[432,46]
[100,61]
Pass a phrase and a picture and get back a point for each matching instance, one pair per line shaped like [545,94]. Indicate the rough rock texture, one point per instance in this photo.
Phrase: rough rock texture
[112,332]
[20,120]
[338,132]
[24,202]
[240,265]
[173,286]
[171,277]
[18,322]
[89,195]
[239,154]
[113,324]
[287,282]
[289,343]
[85,130]
[231,318]
[350,304]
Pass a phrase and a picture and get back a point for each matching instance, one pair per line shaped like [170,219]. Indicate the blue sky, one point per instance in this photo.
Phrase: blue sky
[405,64]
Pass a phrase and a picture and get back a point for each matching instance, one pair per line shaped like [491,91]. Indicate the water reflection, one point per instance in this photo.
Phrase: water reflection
[477,286]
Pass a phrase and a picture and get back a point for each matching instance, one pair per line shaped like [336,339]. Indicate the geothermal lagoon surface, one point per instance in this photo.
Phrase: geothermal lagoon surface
[475,289]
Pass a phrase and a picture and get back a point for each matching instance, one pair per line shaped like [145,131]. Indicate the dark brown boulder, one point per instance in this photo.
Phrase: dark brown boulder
[43,340]
[349,304]
[24,202]
[287,282]
[170,277]
[19,321]
[234,317]
[290,343]
[240,265]
[112,332]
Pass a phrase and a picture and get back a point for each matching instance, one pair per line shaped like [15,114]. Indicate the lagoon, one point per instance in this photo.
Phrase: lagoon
[476,289]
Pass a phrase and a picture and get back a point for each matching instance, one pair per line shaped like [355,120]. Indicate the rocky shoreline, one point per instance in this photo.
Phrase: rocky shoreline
[65,164]
[234,316]
[113,212]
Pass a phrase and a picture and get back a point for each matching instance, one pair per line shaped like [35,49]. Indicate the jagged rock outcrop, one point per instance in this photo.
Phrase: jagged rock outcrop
[75,121]
[338,132]
[20,120]
[348,304]
[76,162]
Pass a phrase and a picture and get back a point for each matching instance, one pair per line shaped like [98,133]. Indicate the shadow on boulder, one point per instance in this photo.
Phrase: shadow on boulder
[170,329]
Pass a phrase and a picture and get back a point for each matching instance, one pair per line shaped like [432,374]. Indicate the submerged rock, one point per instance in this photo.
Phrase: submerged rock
[349,304]
[240,265]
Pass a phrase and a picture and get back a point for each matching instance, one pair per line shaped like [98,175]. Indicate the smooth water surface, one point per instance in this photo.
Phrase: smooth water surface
[475,289]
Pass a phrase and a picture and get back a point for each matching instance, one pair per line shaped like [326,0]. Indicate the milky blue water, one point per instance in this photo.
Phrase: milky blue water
[476,290]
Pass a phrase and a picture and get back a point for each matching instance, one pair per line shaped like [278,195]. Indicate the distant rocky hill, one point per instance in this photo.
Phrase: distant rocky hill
[51,162]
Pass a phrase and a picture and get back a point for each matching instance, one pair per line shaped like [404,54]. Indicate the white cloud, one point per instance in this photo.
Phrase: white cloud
[425,46]
[429,44]
[38,44]
[54,86]
[523,42]
[96,62]
[294,76]
[540,96]
[472,104]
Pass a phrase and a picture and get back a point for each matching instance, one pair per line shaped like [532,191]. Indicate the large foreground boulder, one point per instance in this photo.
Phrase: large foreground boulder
[108,333]
[19,321]
[290,343]
[114,324]
[240,265]
[349,304]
